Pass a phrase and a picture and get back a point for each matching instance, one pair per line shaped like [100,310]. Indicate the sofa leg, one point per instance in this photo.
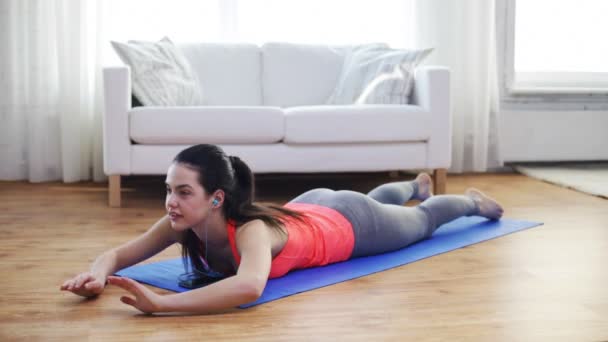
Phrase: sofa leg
[114,191]
[439,181]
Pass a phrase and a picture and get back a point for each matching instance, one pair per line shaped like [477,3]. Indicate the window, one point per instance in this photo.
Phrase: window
[557,46]
[180,20]
[259,21]
[326,22]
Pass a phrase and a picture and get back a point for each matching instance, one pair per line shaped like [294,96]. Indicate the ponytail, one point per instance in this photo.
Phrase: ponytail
[243,193]
[241,206]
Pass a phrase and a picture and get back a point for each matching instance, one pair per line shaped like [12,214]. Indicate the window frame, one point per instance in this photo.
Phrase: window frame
[513,90]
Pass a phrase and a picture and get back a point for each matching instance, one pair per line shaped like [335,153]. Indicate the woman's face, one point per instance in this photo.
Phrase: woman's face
[187,202]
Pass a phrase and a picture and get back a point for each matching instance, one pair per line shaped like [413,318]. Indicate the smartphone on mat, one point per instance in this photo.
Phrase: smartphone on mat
[194,281]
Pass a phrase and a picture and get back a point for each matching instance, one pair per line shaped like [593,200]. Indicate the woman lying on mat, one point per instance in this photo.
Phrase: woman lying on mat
[227,236]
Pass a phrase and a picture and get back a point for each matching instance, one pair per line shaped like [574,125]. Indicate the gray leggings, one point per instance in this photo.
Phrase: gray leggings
[380,221]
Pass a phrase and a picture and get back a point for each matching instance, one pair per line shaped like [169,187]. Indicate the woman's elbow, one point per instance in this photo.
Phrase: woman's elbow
[252,287]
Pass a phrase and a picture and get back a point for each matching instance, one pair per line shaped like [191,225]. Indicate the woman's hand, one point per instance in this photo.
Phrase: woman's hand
[145,300]
[85,284]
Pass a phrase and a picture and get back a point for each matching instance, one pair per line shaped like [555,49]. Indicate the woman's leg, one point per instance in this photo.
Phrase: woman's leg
[391,227]
[445,208]
[400,192]
[390,193]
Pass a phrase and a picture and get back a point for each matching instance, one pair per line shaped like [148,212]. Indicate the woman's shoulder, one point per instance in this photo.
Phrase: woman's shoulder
[256,229]
[253,232]
[255,224]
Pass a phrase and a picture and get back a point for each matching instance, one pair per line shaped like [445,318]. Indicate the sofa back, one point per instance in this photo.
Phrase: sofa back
[276,74]
[298,74]
[229,74]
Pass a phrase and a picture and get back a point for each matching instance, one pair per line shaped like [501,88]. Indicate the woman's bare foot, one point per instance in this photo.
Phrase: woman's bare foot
[424,186]
[488,207]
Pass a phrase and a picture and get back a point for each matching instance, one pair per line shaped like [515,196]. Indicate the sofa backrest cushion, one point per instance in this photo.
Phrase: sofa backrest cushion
[229,74]
[299,74]
[377,74]
[160,75]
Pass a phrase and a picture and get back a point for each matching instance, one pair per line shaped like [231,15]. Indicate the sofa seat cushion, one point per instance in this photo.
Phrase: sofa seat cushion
[356,124]
[211,125]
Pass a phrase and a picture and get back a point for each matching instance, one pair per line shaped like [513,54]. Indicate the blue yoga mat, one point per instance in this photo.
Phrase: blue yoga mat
[456,234]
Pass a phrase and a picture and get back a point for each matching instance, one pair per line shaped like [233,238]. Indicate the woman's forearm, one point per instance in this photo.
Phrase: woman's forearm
[225,294]
[105,264]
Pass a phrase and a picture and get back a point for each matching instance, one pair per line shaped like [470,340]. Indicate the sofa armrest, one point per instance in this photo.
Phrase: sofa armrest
[432,92]
[117,103]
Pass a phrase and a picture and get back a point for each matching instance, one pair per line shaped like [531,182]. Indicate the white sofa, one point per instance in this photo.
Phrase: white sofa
[266,105]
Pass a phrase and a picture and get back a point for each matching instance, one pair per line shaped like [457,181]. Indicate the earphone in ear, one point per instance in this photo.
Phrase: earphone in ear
[215,202]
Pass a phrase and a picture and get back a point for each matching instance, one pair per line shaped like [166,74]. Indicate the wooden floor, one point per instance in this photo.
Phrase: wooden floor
[545,283]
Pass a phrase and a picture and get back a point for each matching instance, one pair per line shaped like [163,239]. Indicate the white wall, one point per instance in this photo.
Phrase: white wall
[553,135]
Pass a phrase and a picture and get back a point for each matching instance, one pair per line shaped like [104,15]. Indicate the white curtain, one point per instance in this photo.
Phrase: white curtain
[50,84]
[463,33]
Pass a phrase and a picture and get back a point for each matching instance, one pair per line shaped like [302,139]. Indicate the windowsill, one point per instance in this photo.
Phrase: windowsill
[555,90]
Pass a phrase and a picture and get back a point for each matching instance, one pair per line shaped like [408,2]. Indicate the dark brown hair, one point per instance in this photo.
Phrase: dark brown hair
[216,171]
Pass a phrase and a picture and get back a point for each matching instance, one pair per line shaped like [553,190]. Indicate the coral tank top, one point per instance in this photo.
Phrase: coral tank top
[324,237]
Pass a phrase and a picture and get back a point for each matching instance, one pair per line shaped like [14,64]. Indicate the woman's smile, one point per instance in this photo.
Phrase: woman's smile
[174,216]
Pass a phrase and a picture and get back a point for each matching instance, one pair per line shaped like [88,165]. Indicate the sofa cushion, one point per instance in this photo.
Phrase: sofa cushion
[366,65]
[356,124]
[299,74]
[394,83]
[161,75]
[212,125]
[230,74]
